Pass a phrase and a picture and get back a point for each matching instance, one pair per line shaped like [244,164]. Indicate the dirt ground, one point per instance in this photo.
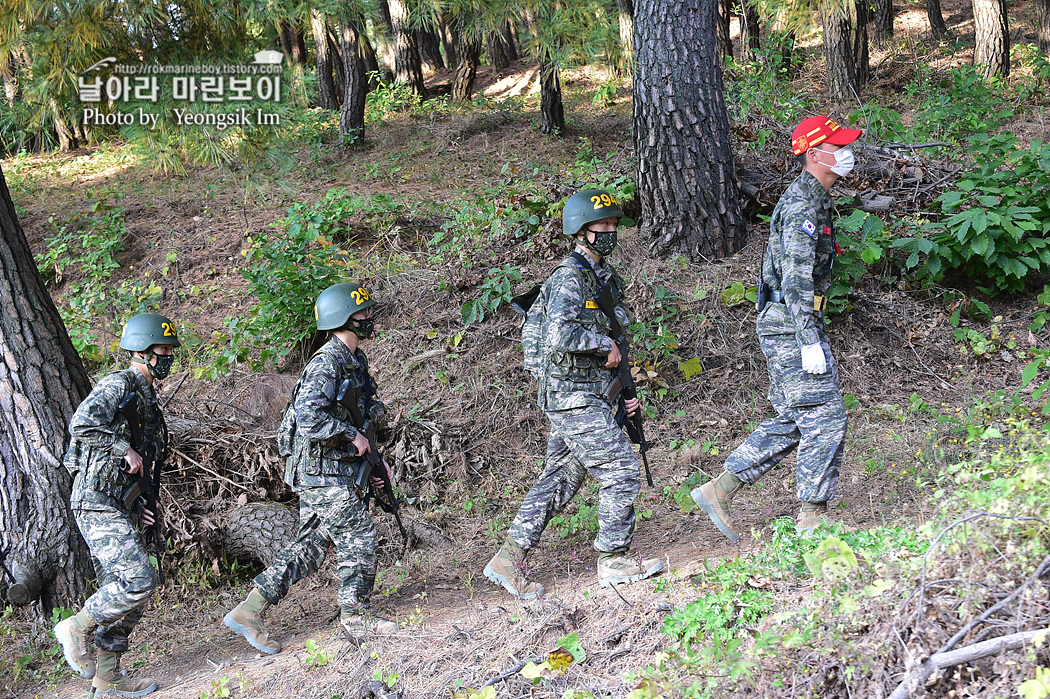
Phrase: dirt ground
[459,630]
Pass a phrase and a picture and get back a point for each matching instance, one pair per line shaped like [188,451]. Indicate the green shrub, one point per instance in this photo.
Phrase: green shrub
[497,290]
[995,221]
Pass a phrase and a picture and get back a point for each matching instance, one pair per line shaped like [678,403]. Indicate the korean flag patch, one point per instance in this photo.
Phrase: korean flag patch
[809,228]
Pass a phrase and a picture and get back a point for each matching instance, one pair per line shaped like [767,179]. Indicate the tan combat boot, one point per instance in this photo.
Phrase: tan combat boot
[810,517]
[73,634]
[616,568]
[713,498]
[505,569]
[112,682]
[362,625]
[246,619]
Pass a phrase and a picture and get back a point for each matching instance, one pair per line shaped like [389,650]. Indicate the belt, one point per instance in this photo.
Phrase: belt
[819,302]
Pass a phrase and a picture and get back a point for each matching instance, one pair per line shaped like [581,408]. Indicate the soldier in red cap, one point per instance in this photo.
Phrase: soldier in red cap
[803,380]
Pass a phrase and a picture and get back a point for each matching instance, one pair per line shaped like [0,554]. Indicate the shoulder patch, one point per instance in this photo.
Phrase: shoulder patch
[809,228]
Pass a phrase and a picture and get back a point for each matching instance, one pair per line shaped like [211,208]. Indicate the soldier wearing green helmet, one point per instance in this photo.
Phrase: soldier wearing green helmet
[105,505]
[325,452]
[569,351]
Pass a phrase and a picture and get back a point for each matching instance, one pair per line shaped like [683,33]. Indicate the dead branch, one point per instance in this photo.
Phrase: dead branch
[939,661]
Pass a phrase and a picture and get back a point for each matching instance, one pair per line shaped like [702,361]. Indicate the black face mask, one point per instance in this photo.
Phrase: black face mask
[163,366]
[604,242]
[363,328]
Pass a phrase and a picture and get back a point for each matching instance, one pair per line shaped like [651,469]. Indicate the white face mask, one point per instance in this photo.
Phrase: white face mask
[844,162]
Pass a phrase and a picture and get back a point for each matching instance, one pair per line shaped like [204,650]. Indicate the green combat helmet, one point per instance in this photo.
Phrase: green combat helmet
[588,206]
[337,303]
[148,329]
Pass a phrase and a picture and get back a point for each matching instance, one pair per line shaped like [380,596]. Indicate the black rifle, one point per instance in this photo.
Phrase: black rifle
[147,481]
[346,396]
[635,431]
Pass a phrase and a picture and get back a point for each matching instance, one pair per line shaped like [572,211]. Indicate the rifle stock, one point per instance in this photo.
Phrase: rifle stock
[635,423]
[373,461]
[147,481]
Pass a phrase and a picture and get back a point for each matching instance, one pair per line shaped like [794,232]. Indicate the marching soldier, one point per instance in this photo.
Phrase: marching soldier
[325,451]
[107,500]
[803,379]
[569,350]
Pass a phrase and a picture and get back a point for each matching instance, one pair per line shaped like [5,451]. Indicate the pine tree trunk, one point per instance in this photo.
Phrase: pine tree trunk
[326,91]
[352,115]
[293,43]
[686,182]
[750,27]
[468,51]
[552,111]
[838,53]
[9,73]
[408,66]
[449,39]
[259,531]
[372,67]
[991,50]
[883,19]
[626,22]
[859,21]
[725,43]
[337,62]
[1042,10]
[933,13]
[500,52]
[67,138]
[42,381]
[429,49]
[509,42]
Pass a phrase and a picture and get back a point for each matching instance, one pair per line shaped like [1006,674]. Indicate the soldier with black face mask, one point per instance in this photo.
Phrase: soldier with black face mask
[106,505]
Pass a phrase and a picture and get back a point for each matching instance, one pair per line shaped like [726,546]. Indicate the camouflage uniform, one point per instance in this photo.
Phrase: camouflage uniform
[126,577]
[321,469]
[810,412]
[566,340]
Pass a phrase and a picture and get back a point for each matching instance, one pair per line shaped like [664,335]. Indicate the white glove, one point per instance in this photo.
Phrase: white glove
[813,361]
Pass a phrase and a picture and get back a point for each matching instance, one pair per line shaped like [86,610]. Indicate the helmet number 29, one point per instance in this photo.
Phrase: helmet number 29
[168,330]
[360,295]
[603,199]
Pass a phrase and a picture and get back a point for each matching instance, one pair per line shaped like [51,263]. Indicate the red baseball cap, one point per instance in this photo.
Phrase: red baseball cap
[820,129]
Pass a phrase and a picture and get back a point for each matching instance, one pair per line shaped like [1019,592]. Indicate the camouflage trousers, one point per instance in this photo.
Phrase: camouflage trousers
[583,440]
[333,514]
[126,577]
[810,416]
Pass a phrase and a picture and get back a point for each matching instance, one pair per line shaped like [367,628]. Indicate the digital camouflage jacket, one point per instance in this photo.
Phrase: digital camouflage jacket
[101,439]
[322,453]
[566,336]
[798,260]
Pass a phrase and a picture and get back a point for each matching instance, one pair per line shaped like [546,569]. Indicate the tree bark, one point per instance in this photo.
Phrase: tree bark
[373,71]
[1042,13]
[838,53]
[448,39]
[293,42]
[859,21]
[67,138]
[42,381]
[933,13]
[501,52]
[337,62]
[626,22]
[9,73]
[750,28]
[991,49]
[552,110]
[259,531]
[352,115]
[326,90]
[408,66]
[725,43]
[686,183]
[468,52]
[429,49]
[883,19]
